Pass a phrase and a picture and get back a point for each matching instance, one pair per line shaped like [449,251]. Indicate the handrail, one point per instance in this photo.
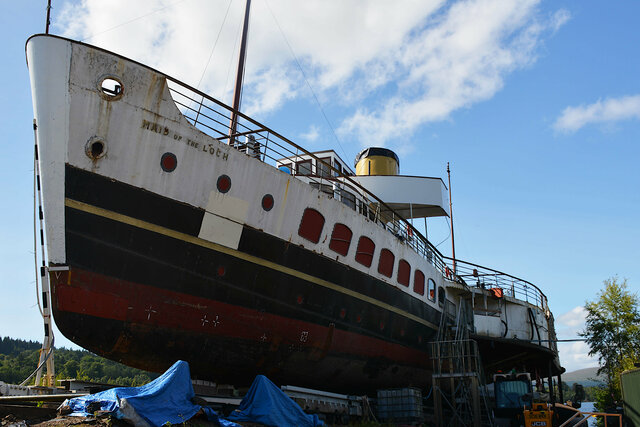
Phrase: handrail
[571,421]
[489,278]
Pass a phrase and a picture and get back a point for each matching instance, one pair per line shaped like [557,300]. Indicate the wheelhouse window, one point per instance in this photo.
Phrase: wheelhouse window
[404,272]
[338,167]
[364,252]
[385,263]
[349,199]
[325,188]
[418,282]
[340,239]
[303,167]
[323,166]
[432,290]
[311,225]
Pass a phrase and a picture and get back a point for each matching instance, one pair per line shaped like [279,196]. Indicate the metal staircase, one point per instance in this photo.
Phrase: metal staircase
[459,392]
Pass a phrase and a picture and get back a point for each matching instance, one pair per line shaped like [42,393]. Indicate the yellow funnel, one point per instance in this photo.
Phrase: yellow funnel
[377,161]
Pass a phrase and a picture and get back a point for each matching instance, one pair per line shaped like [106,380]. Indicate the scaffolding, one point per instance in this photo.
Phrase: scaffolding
[459,392]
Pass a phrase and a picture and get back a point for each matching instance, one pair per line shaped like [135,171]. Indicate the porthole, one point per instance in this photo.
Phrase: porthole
[267,202]
[224,184]
[110,88]
[95,148]
[168,162]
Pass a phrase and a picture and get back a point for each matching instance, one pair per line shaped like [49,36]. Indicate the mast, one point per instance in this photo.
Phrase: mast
[48,17]
[453,243]
[238,90]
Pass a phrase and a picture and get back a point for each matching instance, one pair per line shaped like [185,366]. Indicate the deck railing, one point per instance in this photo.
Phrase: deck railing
[258,141]
[487,278]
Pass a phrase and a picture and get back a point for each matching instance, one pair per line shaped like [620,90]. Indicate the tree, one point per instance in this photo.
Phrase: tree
[612,331]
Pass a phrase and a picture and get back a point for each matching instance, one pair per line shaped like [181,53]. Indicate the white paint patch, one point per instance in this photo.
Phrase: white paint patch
[220,230]
[223,220]
[228,207]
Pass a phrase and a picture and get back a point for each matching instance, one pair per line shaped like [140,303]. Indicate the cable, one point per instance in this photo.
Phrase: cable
[132,20]
[304,76]
[41,363]
[226,83]
[449,235]
[214,44]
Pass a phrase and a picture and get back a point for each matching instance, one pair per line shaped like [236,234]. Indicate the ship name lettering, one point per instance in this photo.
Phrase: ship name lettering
[155,127]
[164,130]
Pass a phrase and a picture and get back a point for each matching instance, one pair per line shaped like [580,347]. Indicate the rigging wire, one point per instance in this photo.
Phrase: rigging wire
[49,353]
[215,44]
[304,76]
[226,83]
[449,235]
[132,20]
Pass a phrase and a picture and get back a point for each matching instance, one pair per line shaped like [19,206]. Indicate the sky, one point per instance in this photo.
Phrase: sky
[535,104]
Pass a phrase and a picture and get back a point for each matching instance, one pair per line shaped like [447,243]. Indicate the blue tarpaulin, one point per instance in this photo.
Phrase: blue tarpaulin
[266,404]
[167,399]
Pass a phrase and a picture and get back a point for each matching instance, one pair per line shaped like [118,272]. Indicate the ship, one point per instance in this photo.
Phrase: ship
[178,228]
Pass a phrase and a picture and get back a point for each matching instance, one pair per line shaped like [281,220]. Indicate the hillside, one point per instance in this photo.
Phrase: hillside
[18,358]
[587,377]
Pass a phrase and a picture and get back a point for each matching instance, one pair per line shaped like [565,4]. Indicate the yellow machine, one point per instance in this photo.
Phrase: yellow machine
[540,415]
[377,161]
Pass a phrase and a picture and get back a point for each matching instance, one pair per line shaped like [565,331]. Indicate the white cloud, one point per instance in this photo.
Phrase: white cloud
[424,59]
[573,355]
[312,135]
[574,318]
[608,111]
[461,59]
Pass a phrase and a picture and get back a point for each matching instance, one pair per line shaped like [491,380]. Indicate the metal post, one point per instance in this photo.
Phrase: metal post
[453,244]
[426,233]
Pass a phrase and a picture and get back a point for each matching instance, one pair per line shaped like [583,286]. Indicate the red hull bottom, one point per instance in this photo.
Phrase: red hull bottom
[151,328]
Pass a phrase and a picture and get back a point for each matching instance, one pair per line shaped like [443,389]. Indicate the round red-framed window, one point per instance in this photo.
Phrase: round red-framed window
[224,184]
